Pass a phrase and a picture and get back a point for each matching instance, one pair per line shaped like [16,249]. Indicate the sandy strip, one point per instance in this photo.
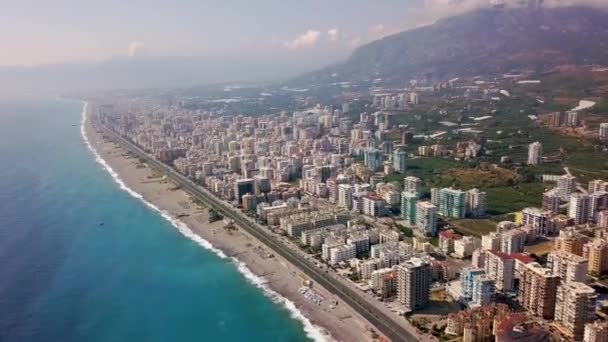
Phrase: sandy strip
[339,322]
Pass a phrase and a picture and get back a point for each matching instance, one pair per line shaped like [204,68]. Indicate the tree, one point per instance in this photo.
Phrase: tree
[214,216]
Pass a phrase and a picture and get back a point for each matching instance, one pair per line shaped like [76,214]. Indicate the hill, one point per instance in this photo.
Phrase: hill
[484,42]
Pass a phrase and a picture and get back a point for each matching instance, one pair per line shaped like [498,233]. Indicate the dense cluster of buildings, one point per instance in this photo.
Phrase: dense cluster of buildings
[559,291]
[319,178]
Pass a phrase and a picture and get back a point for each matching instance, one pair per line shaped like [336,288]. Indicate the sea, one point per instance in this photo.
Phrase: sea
[84,258]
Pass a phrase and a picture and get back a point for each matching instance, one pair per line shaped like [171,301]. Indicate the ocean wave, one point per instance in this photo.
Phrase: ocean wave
[312,331]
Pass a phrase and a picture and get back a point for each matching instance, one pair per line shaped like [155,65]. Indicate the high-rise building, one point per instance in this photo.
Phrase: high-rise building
[426,218]
[373,159]
[414,98]
[597,185]
[406,137]
[476,203]
[551,201]
[262,184]
[566,186]
[243,187]
[602,219]
[408,206]
[537,290]
[578,208]
[478,259]
[535,152]
[412,184]
[491,240]
[603,133]
[345,107]
[484,289]
[400,161]
[345,196]
[598,201]
[575,307]
[596,332]
[500,267]
[596,251]
[572,118]
[452,203]
[467,277]
[413,284]
[373,206]
[569,267]
[513,241]
[570,241]
[435,196]
[464,247]
[538,219]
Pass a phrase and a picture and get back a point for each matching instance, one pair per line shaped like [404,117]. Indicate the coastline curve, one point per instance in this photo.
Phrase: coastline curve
[314,332]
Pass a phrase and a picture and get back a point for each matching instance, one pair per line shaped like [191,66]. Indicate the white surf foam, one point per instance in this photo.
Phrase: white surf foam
[314,332]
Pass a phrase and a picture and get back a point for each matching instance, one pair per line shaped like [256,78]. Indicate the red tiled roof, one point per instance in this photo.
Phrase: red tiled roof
[526,259]
[449,234]
[500,254]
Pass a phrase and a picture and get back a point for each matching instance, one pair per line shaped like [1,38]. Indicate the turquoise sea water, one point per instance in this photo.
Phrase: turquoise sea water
[63,277]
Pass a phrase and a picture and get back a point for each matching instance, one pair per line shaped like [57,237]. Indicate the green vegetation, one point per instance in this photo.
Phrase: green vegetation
[407,232]
[507,190]
[480,177]
[473,227]
[214,216]
[503,200]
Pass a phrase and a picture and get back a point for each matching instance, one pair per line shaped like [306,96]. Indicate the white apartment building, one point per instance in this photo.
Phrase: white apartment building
[491,241]
[500,267]
[484,289]
[578,208]
[575,307]
[513,241]
[345,196]
[463,248]
[342,253]
[568,266]
[426,217]
[535,152]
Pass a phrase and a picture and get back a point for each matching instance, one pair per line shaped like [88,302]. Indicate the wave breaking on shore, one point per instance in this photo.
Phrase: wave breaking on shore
[312,331]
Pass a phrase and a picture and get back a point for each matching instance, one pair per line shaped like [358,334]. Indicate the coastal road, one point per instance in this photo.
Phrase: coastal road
[385,324]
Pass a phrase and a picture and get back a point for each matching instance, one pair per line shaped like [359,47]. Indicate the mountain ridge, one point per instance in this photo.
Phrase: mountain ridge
[486,41]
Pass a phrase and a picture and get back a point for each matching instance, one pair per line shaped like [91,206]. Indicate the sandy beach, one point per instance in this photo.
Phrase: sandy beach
[337,322]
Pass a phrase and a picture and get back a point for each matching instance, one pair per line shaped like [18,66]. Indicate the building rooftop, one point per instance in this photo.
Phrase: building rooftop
[450,234]
[518,327]
[501,255]
[525,258]
[540,270]
[414,262]
[578,287]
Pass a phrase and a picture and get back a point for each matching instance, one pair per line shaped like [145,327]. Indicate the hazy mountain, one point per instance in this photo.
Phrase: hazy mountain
[486,41]
[142,72]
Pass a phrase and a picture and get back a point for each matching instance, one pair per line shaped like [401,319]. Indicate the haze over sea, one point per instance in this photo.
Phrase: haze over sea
[64,277]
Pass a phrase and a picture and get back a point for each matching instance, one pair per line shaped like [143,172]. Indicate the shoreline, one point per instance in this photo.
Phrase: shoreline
[278,279]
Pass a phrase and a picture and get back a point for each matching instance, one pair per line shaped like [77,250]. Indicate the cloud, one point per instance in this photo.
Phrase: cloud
[307,39]
[333,35]
[135,48]
[355,42]
[377,31]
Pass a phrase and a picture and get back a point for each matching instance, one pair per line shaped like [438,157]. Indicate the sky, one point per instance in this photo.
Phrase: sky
[106,44]
[41,32]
